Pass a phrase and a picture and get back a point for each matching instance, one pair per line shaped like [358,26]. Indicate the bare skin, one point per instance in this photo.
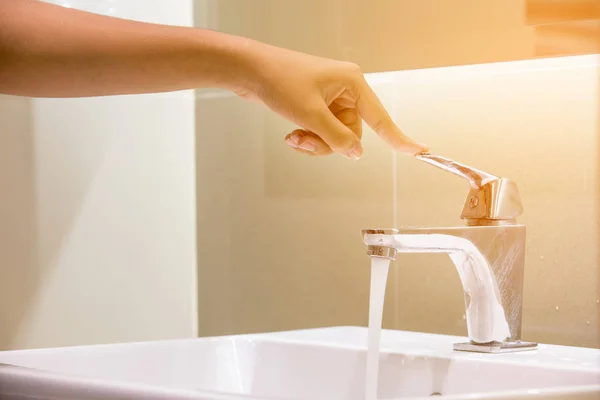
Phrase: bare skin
[52,51]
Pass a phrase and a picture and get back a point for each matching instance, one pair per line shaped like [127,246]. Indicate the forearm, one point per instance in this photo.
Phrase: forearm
[52,51]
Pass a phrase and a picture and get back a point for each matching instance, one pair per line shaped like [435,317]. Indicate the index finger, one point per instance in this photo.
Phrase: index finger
[375,115]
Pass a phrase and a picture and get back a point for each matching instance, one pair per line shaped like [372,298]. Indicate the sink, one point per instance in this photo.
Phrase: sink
[324,363]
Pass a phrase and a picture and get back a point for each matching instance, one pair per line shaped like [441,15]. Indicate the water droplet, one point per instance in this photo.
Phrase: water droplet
[464,317]
[556,308]
[597,301]
[541,257]
[587,322]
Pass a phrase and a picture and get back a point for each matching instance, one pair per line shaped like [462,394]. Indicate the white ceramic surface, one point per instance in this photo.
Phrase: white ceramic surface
[325,363]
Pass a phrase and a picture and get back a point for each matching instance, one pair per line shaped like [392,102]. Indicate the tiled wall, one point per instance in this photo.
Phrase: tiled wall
[279,244]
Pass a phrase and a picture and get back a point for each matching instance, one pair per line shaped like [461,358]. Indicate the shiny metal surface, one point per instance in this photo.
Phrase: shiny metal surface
[503,248]
[490,211]
[492,200]
[495,347]
[382,252]
[476,178]
[383,231]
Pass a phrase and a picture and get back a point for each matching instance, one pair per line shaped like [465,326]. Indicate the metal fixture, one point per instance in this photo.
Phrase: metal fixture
[490,212]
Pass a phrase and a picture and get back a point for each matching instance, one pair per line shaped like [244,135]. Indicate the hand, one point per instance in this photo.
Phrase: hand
[328,99]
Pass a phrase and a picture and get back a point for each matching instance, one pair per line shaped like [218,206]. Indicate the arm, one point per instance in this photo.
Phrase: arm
[52,51]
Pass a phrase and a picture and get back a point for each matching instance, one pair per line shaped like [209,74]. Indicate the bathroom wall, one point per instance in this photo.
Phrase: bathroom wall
[537,123]
[393,35]
[97,224]
[279,244]
[99,208]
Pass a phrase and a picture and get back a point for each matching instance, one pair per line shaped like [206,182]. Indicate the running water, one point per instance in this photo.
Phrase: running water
[485,316]
[379,274]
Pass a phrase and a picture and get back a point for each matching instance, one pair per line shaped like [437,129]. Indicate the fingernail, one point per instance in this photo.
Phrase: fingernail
[422,148]
[308,146]
[295,138]
[290,142]
[412,147]
[356,152]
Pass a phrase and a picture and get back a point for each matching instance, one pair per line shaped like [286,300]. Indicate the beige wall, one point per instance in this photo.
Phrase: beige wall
[408,34]
[391,35]
[279,244]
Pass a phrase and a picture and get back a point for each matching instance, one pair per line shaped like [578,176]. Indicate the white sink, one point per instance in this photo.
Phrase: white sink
[326,363]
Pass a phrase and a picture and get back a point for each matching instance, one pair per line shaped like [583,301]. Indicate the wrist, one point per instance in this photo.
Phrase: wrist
[228,62]
[248,61]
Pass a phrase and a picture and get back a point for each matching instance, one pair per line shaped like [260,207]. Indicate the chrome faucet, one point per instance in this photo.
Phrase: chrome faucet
[489,253]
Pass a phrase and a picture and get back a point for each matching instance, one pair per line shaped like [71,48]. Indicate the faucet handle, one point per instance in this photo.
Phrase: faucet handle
[492,200]
[476,178]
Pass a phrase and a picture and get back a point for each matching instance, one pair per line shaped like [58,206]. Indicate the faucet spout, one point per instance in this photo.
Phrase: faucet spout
[489,255]
[490,264]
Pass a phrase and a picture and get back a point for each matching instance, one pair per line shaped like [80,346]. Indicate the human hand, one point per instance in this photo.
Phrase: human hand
[53,51]
[328,99]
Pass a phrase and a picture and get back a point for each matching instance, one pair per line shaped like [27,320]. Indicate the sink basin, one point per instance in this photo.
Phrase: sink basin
[325,363]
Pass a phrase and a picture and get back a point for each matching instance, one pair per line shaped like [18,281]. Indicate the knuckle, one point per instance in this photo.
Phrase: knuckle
[378,125]
[381,125]
[343,143]
[353,73]
[353,68]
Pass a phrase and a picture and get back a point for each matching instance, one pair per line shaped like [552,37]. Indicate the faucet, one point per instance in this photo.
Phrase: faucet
[488,252]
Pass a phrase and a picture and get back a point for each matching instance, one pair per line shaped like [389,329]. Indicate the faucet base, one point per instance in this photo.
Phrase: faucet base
[496,347]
